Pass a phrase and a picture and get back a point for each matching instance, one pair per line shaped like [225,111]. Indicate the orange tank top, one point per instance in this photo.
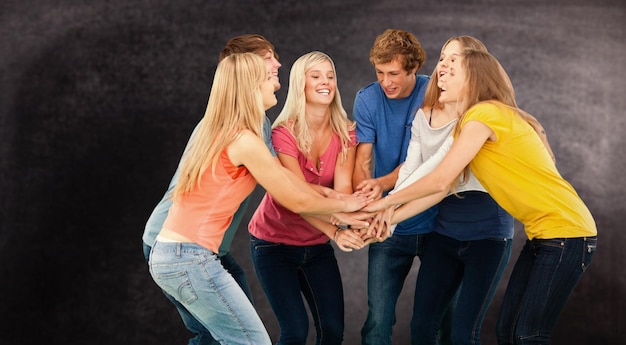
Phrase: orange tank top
[204,214]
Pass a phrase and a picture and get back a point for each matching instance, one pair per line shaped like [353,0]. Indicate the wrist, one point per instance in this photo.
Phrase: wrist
[386,202]
[336,234]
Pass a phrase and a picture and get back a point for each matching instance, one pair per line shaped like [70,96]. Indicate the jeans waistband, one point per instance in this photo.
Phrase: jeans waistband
[180,247]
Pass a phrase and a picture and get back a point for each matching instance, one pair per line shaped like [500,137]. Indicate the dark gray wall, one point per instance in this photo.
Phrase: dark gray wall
[97,101]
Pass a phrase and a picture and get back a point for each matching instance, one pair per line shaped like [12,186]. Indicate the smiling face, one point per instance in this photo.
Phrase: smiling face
[320,84]
[268,88]
[395,81]
[273,65]
[451,75]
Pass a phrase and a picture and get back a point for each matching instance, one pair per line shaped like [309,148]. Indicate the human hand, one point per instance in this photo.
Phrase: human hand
[354,202]
[365,235]
[372,188]
[380,227]
[348,240]
[376,206]
[353,220]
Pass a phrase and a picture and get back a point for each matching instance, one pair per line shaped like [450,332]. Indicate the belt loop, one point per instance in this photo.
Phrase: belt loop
[178,249]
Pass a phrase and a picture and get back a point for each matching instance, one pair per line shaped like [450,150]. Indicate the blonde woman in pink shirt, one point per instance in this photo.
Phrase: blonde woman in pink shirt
[292,253]
[220,168]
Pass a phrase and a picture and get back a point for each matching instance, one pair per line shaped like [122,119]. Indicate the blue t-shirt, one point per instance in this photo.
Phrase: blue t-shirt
[386,123]
[158,215]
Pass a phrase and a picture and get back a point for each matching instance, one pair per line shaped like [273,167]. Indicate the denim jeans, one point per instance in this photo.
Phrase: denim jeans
[287,273]
[389,263]
[202,336]
[476,267]
[542,280]
[195,277]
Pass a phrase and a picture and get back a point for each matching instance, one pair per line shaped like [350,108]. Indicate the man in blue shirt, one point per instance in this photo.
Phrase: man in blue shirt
[384,112]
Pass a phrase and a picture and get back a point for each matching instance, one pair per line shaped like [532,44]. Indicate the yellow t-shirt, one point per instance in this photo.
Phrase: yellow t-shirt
[520,175]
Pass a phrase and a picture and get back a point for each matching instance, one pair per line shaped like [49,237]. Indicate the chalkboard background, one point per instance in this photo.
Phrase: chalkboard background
[98,98]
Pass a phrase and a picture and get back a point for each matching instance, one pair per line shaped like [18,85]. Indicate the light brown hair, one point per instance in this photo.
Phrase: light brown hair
[248,43]
[398,44]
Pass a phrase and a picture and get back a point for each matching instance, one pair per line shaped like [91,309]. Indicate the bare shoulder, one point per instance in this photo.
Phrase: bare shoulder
[246,135]
[246,144]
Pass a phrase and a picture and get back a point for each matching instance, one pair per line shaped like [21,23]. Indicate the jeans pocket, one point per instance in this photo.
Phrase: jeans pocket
[591,244]
[552,242]
[177,284]
[260,244]
[589,250]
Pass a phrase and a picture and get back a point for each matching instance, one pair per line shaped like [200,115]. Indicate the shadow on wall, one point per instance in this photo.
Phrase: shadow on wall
[96,129]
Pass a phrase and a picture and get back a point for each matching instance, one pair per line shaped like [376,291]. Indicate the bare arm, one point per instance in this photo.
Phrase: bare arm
[382,226]
[362,178]
[346,240]
[465,147]
[292,192]
[362,164]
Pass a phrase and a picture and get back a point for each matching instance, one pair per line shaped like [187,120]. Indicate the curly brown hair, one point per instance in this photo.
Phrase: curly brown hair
[393,44]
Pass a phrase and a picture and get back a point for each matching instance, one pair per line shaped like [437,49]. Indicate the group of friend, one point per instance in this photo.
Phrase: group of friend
[435,167]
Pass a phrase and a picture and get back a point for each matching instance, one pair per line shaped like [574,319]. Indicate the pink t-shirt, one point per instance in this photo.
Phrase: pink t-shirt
[204,214]
[273,222]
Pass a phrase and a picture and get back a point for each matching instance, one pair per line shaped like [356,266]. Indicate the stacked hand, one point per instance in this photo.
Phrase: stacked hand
[370,224]
[352,232]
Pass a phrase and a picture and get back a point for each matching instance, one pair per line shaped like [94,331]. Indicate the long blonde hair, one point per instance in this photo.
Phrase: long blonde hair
[292,115]
[486,82]
[235,103]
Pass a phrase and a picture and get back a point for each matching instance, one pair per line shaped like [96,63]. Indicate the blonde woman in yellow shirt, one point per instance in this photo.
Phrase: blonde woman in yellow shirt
[495,141]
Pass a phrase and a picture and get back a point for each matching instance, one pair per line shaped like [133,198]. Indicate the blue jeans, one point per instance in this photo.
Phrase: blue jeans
[476,267]
[389,263]
[542,280]
[287,273]
[195,277]
[202,336]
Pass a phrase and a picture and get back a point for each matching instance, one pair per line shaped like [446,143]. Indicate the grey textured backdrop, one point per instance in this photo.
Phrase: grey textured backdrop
[97,100]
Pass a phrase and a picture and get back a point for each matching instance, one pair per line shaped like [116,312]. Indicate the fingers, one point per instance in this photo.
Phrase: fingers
[348,240]
[355,220]
[373,228]
[371,188]
[382,230]
[386,221]
[379,229]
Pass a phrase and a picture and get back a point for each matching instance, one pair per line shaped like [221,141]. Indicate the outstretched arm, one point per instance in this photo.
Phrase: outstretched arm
[425,167]
[464,148]
[292,192]
[346,241]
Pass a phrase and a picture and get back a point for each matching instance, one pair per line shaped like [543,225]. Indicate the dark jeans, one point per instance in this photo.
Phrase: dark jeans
[202,335]
[287,273]
[448,264]
[389,263]
[543,278]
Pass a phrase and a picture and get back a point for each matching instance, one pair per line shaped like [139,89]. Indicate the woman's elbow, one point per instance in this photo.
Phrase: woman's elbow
[440,186]
[300,205]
